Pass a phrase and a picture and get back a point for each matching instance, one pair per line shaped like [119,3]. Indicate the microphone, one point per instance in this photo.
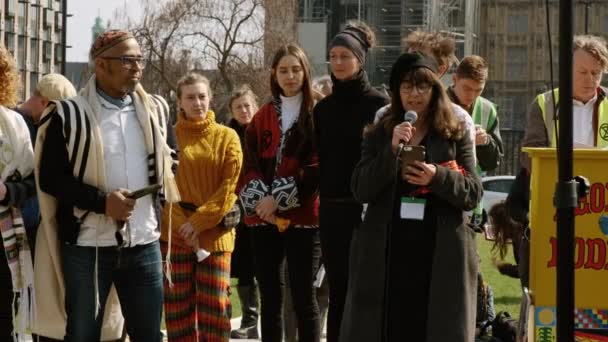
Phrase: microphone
[411,117]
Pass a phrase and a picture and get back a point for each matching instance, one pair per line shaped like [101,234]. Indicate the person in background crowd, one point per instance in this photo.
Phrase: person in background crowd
[243,106]
[590,104]
[442,49]
[435,45]
[16,186]
[486,312]
[95,242]
[281,185]
[197,304]
[322,87]
[50,87]
[506,231]
[339,122]
[590,113]
[509,221]
[468,83]
[415,214]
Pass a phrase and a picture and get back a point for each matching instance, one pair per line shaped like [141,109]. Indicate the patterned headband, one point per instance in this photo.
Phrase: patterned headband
[108,40]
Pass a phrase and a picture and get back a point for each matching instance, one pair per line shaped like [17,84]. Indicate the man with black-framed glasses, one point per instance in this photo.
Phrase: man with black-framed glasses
[96,149]
[128,62]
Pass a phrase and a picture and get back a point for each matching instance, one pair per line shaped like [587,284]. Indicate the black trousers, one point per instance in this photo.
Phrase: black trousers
[337,223]
[302,249]
[409,279]
[6,298]
[242,261]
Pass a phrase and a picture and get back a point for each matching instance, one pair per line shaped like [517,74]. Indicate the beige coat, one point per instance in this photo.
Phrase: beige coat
[50,319]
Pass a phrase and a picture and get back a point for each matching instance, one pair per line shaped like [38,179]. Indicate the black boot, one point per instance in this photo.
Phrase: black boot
[248,295]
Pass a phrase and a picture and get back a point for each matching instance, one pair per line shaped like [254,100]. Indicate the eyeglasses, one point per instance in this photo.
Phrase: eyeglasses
[408,88]
[129,62]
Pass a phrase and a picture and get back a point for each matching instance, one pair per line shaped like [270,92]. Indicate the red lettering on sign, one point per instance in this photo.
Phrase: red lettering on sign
[596,254]
[553,261]
[595,202]
[583,207]
[579,252]
[606,207]
[598,201]
[589,253]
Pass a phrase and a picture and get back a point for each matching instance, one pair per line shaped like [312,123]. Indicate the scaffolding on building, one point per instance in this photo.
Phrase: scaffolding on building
[388,23]
[459,19]
[394,19]
[313,11]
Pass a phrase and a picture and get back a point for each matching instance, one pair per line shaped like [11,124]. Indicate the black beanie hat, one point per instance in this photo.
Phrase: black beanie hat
[407,62]
[353,39]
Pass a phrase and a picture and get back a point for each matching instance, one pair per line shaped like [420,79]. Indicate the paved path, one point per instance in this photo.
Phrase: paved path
[235,322]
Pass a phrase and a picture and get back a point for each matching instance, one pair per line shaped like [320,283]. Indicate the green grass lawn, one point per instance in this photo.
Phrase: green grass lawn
[234,299]
[507,290]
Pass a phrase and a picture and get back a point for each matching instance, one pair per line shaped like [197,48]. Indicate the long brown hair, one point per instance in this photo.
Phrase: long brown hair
[505,228]
[305,121]
[440,116]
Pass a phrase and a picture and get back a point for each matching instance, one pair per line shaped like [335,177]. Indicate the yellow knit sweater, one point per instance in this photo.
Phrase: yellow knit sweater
[210,160]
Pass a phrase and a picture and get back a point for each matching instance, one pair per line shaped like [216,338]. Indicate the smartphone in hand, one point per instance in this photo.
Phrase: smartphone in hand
[489,232]
[409,155]
[151,189]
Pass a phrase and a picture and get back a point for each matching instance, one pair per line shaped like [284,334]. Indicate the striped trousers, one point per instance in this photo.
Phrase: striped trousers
[197,307]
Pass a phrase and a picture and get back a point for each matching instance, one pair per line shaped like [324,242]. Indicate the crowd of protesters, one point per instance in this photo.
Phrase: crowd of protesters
[311,200]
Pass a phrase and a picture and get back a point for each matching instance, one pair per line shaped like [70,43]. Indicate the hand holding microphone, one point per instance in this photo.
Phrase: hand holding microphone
[404,132]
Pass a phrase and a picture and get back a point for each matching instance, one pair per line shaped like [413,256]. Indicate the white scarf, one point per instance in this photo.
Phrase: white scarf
[50,306]
[89,100]
[17,162]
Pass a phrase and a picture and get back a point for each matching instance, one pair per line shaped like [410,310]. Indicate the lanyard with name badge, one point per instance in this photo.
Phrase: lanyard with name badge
[412,208]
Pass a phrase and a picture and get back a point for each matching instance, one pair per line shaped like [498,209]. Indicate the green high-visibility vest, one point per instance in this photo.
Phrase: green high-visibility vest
[545,102]
[484,114]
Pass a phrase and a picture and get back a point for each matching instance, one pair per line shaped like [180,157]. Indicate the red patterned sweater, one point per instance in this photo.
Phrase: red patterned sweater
[294,183]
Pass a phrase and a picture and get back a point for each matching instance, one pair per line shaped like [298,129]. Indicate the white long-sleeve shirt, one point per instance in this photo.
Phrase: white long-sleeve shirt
[126,166]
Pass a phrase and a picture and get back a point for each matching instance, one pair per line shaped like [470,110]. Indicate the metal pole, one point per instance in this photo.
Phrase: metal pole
[64,35]
[470,33]
[335,18]
[587,6]
[566,189]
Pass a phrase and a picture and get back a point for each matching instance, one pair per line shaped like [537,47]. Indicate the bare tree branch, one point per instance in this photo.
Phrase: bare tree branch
[223,39]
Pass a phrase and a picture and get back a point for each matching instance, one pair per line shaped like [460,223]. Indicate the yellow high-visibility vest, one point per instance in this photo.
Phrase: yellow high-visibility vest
[545,102]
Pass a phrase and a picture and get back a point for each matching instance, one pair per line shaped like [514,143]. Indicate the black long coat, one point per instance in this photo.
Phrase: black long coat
[452,296]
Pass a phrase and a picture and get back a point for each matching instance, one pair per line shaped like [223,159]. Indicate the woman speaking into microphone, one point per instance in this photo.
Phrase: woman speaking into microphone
[413,249]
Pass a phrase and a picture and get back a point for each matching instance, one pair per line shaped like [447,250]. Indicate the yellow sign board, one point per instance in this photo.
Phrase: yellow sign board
[591,241]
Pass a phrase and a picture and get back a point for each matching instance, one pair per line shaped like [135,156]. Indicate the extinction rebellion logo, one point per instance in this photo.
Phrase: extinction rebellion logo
[604,131]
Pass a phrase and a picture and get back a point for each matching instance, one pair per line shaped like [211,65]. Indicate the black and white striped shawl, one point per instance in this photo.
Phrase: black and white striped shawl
[78,124]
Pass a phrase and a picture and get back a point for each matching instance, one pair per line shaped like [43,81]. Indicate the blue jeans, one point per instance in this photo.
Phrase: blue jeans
[136,273]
